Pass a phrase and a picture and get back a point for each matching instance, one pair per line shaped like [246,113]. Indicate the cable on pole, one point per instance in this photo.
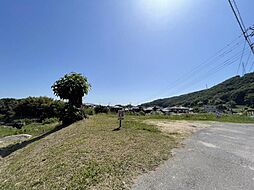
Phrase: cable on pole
[239,19]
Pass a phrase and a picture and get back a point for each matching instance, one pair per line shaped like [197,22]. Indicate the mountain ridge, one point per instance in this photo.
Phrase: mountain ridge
[238,90]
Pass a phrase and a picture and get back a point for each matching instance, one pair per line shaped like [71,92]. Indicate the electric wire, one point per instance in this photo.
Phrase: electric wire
[213,59]
[240,63]
[251,66]
[240,22]
[214,70]
[238,54]
[247,61]
[210,73]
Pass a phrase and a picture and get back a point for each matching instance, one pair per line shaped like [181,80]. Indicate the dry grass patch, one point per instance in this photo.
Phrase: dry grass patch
[88,155]
[183,128]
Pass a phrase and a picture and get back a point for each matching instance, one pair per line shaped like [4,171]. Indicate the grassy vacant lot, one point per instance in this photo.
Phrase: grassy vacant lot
[204,117]
[88,155]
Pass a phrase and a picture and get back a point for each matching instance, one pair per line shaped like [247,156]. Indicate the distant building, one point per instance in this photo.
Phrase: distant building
[179,109]
[90,105]
[148,110]
[166,111]
[136,109]
[210,109]
[115,108]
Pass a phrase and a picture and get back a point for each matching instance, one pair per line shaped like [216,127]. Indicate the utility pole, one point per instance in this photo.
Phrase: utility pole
[240,22]
[247,33]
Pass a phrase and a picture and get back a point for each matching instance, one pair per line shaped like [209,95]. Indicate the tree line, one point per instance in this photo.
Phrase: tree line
[70,89]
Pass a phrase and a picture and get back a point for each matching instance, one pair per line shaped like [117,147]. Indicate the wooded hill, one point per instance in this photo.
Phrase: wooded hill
[234,91]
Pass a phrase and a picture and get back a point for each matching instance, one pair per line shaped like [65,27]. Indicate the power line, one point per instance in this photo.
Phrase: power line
[213,71]
[217,56]
[240,18]
[220,55]
[229,48]
[241,63]
[246,36]
[237,55]
[247,61]
[240,22]
[251,66]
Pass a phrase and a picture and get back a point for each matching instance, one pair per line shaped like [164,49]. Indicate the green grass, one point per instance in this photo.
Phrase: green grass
[204,117]
[37,129]
[88,155]
[33,129]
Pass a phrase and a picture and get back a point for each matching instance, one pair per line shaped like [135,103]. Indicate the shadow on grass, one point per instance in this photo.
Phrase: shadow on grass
[6,151]
[116,129]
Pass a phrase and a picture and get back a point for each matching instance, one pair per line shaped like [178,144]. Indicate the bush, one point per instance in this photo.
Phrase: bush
[50,120]
[142,113]
[72,114]
[18,124]
[101,109]
[89,111]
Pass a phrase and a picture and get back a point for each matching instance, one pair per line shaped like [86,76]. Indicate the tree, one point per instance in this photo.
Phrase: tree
[72,87]
[249,99]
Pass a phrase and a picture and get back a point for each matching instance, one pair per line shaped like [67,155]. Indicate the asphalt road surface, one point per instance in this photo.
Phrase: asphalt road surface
[217,158]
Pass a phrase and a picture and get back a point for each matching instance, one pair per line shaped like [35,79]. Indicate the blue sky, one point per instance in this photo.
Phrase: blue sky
[131,51]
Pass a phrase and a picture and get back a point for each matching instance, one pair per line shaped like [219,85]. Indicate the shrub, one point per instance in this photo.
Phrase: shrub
[89,111]
[18,124]
[101,109]
[142,113]
[50,120]
[72,114]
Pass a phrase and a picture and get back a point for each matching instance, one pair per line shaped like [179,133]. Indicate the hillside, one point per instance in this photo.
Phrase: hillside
[234,91]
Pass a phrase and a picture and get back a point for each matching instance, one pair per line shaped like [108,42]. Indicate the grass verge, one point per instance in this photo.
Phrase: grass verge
[88,155]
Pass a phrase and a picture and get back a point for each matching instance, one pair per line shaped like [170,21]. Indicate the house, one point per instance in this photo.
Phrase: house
[148,110]
[179,109]
[88,105]
[136,109]
[166,111]
[115,108]
[153,110]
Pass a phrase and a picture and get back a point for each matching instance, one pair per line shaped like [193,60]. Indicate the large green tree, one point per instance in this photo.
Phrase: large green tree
[72,87]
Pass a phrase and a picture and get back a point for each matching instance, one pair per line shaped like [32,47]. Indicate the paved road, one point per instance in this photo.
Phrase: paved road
[216,158]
